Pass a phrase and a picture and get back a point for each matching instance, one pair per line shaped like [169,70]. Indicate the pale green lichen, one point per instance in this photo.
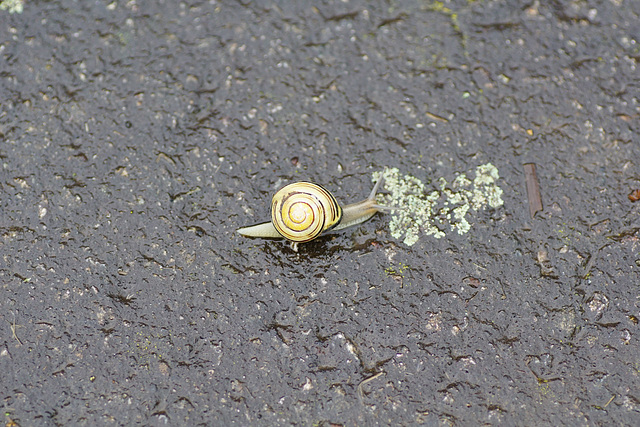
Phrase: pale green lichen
[486,190]
[460,223]
[13,6]
[447,207]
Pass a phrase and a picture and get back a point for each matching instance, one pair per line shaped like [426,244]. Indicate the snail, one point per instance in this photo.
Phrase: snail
[302,211]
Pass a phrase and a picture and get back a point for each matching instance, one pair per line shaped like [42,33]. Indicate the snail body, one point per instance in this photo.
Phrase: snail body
[302,211]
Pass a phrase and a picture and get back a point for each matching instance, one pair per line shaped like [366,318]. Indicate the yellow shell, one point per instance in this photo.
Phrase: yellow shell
[302,211]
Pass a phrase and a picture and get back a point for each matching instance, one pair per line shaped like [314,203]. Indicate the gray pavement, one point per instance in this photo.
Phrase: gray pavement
[136,137]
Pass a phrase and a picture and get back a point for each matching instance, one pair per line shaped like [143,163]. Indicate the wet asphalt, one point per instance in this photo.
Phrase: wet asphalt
[136,138]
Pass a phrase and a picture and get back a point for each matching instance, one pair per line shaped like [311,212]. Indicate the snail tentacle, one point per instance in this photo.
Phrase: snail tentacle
[357,213]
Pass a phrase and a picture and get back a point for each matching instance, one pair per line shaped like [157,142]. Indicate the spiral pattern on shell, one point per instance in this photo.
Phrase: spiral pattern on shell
[302,211]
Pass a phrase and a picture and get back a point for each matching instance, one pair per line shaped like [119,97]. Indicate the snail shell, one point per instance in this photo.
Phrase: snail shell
[302,211]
